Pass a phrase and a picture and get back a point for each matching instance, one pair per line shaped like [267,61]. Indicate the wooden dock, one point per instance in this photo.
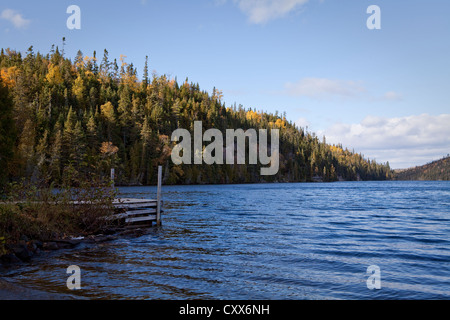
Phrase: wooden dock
[133,212]
[138,212]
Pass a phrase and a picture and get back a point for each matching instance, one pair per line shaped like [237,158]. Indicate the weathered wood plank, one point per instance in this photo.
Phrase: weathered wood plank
[141,219]
[133,213]
[131,200]
[137,206]
[116,202]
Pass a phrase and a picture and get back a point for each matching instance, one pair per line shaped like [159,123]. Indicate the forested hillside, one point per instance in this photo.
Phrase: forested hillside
[436,170]
[91,114]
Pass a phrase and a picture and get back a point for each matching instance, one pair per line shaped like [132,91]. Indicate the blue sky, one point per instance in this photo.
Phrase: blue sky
[384,92]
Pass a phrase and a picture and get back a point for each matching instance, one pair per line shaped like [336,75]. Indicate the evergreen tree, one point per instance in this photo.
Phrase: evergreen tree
[7,132]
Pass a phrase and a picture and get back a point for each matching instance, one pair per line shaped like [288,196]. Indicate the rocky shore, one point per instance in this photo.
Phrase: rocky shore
[25,250]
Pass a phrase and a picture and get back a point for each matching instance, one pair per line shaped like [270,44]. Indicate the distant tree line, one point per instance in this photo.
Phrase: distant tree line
[93,114]
[436,170]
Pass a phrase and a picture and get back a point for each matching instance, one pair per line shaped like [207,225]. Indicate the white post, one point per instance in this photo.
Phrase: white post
[158,197]
[112,176]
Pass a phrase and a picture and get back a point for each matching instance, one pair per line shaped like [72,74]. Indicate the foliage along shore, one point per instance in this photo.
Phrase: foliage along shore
[89,115]
[38,217]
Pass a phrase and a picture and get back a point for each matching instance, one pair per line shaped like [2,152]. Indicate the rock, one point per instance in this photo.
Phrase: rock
[50,246]
[21,243]
[67,244]
[110,231]
[9,258]
[21,251]
[103,238]
[32,246]
[36,243]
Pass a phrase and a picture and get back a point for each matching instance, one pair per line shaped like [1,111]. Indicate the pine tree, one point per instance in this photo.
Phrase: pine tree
[79,60]
[105,66]
[109,116]
[56,156]
[7,132]
[145,75]
[42,153]
[68,141]
[146,134]
[26,149]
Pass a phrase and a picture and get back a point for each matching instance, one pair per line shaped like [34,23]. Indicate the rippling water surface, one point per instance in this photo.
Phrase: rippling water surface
[270,241]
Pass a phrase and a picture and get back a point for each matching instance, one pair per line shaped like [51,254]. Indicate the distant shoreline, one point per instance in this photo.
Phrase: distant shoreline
[268,183]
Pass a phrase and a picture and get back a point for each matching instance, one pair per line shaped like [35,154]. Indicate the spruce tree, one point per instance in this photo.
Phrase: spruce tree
[7,132]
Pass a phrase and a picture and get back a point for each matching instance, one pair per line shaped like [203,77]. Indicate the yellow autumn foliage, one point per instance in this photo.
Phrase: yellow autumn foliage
[336,150]
[131,81]
[54,75]
[252,115]
[9,76]
[280,123]
[78,88]
[107,111]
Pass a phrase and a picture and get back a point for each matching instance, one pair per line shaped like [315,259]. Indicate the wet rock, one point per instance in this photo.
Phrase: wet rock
[36,243]
[67,244]
[103,238]
[32,246]
[110,231]
[22,252]
[50,246]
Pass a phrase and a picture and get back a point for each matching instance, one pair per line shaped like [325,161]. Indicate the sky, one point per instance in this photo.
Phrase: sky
[381,92]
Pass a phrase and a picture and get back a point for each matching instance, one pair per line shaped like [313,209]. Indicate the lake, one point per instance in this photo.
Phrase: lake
[269,241]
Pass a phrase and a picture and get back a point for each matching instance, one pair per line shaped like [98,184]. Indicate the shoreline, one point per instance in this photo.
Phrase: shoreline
[14,291]
[10,290]
[25,250]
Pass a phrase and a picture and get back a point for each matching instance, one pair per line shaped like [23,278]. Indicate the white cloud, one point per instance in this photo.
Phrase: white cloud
[326,89]
[392,96]
[262,11]
[323,88]
[404,141]
[15,18]
[302,122]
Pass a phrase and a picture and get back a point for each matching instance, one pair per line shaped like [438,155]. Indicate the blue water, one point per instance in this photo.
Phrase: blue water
[270,241]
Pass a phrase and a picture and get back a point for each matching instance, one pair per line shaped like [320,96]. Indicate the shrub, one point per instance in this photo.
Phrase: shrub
[41,211]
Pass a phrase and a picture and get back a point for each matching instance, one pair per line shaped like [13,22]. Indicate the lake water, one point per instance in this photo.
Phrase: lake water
[269,241]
